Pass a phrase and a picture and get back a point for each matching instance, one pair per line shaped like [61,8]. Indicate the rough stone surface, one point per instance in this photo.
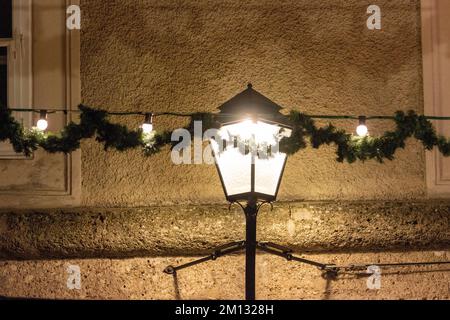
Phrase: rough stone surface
[276,278]
[190,230]
[188,56]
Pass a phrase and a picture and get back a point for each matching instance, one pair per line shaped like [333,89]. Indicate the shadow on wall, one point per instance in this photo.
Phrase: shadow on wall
[332,278]
[395,284]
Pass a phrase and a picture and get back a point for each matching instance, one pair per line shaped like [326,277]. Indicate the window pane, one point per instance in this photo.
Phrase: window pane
[3,76]
[5,18]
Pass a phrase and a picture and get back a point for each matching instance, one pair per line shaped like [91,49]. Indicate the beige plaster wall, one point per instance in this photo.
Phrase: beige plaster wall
[313,56]
[276,278]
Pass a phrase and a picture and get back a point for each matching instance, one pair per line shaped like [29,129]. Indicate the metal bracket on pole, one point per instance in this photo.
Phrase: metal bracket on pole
[330,271]
[218,252]
[286,253]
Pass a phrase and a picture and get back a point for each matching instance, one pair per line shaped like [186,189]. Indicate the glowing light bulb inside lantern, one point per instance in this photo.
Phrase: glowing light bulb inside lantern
[247,129]
[42,123]
[362,130]
[250,129]
[147,126]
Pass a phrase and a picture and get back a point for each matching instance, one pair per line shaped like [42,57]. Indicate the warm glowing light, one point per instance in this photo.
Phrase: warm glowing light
[362,130]
[147,128]
[248,129]
[235,166]
[42,123]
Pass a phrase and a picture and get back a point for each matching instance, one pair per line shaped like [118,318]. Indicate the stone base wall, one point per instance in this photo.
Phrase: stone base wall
[276,278]
[195,230]
[121,252]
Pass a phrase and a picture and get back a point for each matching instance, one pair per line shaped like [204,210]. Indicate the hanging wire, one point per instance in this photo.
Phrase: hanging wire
[113,113]
[359,267]
[181,114]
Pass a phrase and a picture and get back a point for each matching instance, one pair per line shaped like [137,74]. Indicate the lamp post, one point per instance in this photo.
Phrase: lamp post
[249,163]
[250,168]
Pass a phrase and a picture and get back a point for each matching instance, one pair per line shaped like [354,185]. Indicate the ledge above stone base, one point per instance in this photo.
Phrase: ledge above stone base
[194,230]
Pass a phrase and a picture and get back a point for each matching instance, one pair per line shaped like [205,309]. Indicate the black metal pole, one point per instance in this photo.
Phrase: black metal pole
[250,249]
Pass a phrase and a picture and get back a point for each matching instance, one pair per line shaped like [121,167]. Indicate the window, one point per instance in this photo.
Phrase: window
[3,76]
[6,19]
[5,32]
[15,62]
[436,74]
[47,180]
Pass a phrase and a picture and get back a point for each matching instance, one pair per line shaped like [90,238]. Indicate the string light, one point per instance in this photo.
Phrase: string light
[187,115]
[362,130]
[94,122]
[42,123]
[147,126]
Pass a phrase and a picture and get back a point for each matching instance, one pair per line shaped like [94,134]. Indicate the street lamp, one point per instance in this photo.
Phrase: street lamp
[248,161]
[250,166]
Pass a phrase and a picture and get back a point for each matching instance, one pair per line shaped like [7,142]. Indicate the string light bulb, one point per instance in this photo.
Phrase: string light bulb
[362,130]
[42,123]
[147,126]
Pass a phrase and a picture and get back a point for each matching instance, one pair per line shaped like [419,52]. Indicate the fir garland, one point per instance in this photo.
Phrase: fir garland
[94,124]
[351,148]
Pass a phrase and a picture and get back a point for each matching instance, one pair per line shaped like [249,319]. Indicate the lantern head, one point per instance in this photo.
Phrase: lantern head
[247,156]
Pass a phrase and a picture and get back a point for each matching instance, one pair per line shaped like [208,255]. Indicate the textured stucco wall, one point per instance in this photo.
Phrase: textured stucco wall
[314,56]
[276,278]
[191,230]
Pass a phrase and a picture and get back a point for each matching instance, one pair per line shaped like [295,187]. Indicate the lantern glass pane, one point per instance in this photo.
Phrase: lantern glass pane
[268,173]
[235,169]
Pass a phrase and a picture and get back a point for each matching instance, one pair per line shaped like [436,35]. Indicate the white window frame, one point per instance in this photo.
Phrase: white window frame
[20,76]
[436,72]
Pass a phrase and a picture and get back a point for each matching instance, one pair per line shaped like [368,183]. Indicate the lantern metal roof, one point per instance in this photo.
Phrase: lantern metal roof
[251,103]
